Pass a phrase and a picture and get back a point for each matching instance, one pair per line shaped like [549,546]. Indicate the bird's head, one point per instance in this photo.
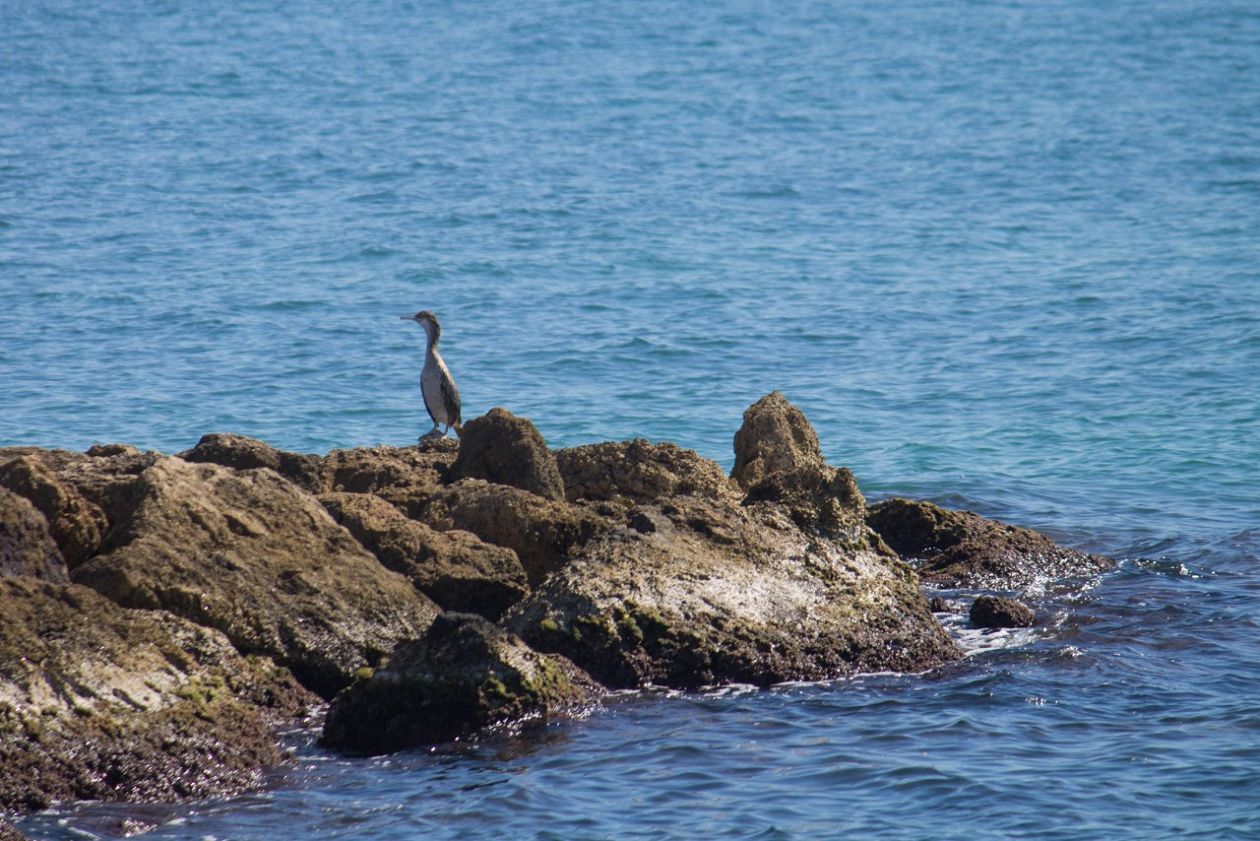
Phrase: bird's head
[428,321]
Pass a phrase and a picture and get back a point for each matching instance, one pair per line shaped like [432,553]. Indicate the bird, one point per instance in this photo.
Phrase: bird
[437,386]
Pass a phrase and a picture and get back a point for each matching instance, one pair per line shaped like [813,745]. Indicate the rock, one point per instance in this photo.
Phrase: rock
[998,612]
[455,568]
[26,546]
[251,554]
[463,675]
[401,475]
[242,453]
[75,524]
[775,436]
[963,549]
[820,499]
[715,592]
[8,833]
[543,532]
[100,702]
[506,450]
[638,471]
[937,604]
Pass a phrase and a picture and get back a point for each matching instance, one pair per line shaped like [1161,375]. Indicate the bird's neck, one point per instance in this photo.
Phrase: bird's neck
[432,333]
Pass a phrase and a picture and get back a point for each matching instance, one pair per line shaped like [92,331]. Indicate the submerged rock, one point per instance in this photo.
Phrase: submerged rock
[999,612]
[101,702]
[463,675]
[507,450]
[455,568]
[963,549]
[249,553]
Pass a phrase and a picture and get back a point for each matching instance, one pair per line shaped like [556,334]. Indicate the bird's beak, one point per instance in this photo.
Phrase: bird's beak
[406,317]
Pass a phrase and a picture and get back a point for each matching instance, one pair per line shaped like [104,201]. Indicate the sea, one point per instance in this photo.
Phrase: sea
[1004,254]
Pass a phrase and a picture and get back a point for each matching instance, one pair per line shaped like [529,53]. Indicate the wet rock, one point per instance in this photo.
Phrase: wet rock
[455,568]
[463,675]
[26,546]
[938,604]
[242,453]
[998,612]
[100,702]
[8,833]
[963,549]
[507,450]
[775,436]
[542,532]
[719,593]
[251,554]
[639,471]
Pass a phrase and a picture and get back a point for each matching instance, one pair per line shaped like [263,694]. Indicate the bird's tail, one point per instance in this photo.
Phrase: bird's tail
[459,429]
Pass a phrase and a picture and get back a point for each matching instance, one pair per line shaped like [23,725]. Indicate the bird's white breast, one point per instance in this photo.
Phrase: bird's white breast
[431,387]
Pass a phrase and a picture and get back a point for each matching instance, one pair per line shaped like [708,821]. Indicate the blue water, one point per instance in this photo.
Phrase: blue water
[1005,255]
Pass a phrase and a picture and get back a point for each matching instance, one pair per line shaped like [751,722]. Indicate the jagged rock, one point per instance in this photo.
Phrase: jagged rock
[76,524]
[251,554]
[775,436]
[820,499]
[542,532]
[401,475]
[455,568]
[242,453]
[638,471]
[26,546]
[100,702]
[998,612]
[463,675]
[963,549]
[507,450]
[716,592]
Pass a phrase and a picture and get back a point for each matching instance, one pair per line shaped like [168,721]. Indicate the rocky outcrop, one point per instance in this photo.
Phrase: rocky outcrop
[999,612]
[247,552]
[639,471]
[463,675]
[8,833]
[100,702]
[26,546]
[715,592]
[398,474]
[775,436]
[506,450]
[76,524]
[455,568]
[963,549]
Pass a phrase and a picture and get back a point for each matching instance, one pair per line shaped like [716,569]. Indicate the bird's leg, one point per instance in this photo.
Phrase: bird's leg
[432,433]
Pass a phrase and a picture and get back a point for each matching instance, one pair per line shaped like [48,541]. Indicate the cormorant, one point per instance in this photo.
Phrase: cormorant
[437,386]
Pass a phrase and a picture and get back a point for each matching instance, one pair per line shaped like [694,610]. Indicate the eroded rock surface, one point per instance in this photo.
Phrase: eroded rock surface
[463,675]
[963,549]
[101,702]
[507,450]
[639,471]
[249,553]
[455,568]
[775,436]
[243,453]
[26,545]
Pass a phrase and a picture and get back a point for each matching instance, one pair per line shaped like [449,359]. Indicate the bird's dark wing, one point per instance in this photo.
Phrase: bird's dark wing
[450,396]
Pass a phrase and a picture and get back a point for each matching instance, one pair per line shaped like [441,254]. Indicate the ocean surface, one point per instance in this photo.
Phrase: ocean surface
[1005,255]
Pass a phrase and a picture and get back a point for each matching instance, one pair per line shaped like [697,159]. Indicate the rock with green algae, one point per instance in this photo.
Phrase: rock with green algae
[102,702]
[455,568]
[464,675]
[963,549]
